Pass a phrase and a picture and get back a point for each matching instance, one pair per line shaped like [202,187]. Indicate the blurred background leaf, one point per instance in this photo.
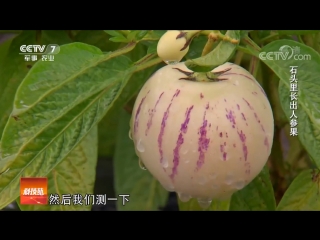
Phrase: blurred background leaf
[145,191]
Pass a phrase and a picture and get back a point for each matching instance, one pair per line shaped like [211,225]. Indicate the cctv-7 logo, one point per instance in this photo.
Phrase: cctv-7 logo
[53,48]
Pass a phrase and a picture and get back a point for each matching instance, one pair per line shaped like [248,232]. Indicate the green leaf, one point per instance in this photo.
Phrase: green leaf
[244,33]
[55,107]
[219,55]
[59,37]
[308,73]
[74,175]
[96,38]
[12,70]
[119,39]
[297,32]
[114,33]
[108,125]
[158,33]
[141,34]
[152,48]
[146,193]
[136,35]
[4,48]
[302,194]
[263,33]
[196,47]
[257,195]
[137,53]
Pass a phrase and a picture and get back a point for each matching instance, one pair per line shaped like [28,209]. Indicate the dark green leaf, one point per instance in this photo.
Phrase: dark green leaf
[137,53]
[219,55]
[158,33]
[257,195]
[297,32]
[152,48]
[108,125]
[308,73]
[263,33]
[120,39]
[59,37]
[146,193]
[12,71]
[114,33]
[244,33]
[4,48]
[96,38]
[108,133]
[141,34]
[196,47]
[136,35]
[74,175]
[55,107]
[302,194]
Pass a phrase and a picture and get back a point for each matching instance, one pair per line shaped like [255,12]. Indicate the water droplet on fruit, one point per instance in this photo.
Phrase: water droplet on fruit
[130,134]
[169,188]
[141,165]
[229,178]
[236,82]
[204,203]
[165,162]
[171,62]
[187,161]
[140,146]
[239,184]
[184,197]
[194,151]
[202,180]
[185,151]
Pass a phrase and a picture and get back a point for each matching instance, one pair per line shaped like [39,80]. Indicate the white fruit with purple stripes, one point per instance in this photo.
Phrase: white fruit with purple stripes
[203,140]
[170,45]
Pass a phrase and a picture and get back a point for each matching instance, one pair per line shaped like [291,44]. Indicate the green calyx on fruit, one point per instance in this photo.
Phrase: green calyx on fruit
[203,77]
[174,45]
[203,140]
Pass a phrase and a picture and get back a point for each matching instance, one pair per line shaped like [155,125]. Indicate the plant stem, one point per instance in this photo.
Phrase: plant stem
[254,66]
[206,32]
[147,64]
[145,58]
[208,47]
[245,50]
[238,57]
[250,42]
[300,39]
[268,38]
